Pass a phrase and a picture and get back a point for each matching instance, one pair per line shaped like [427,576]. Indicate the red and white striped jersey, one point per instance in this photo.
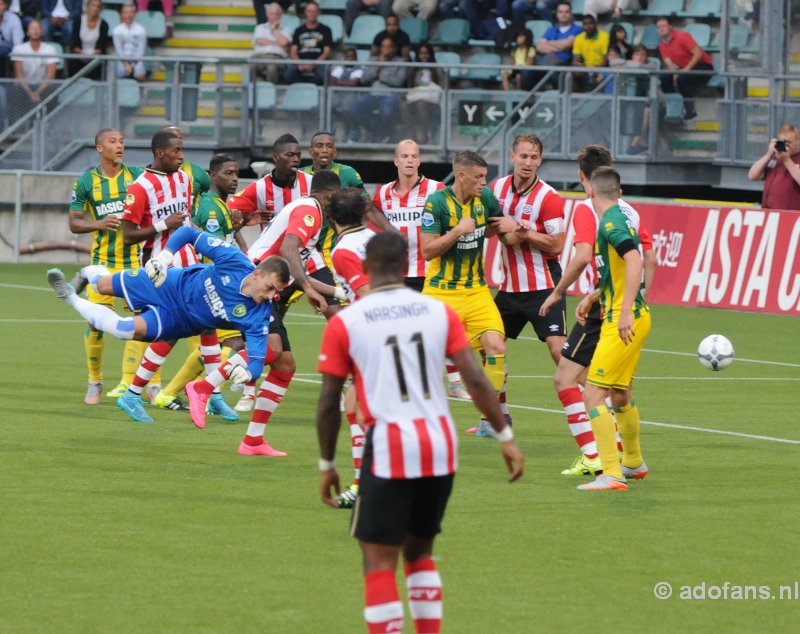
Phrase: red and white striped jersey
[348,259]
[405,213]
[394,342]
[584,226]
[524,266]
[265,195]
[301,218]
[154,196]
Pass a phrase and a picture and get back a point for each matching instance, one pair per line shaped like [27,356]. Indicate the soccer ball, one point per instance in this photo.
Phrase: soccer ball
[715,352]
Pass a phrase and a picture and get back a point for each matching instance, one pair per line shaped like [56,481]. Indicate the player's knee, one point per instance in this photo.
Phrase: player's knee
[285,363]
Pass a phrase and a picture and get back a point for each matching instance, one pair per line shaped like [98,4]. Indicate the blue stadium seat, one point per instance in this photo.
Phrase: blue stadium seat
[364,30]
[79,93]
[673,102]
[449,57]
[60,50]
[416,28]
[577,6]
[452,32]
[332,5]
[291,21]
[482,74]
[700,32]
[658,8]
[154,23]
[702,9]
[128,95]
[537,27]
[335,24]
[300,97]
[650,38]
[111,16]
[265,96]
[717,81]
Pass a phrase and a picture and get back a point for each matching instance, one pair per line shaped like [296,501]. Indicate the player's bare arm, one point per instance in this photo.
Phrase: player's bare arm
[433,246]
[329,420]
[485,399]
[290,249]
[378,218]
[79,224]
[633,278]
[650,264]
[133,233]
[585,305]
[584,252]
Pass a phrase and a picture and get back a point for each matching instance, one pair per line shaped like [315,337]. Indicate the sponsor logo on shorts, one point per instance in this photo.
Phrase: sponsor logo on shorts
[553,327]
[239,310]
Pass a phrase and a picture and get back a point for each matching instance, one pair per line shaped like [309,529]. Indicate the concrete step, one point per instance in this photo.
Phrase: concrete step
[218,43]
[208,75]
[213,27]
[217,10]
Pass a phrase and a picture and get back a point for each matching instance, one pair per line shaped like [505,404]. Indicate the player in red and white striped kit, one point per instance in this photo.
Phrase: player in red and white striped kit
[394,342]
[579,348]
[402,202]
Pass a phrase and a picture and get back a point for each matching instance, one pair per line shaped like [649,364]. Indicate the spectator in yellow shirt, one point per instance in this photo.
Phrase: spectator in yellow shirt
[590,49]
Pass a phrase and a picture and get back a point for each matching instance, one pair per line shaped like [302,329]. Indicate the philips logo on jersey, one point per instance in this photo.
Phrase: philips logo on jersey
[181,207]
[406,215]
[427,219]
[214,301]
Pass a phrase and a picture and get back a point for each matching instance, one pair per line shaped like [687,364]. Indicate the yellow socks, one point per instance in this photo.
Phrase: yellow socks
[606,437]
[190,370]
[94,345]
[495,369]
[131,358]
[628,423]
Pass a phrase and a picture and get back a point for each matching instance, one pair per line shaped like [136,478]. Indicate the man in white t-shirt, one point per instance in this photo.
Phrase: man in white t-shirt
[130,41]
[34,69]
[271,41]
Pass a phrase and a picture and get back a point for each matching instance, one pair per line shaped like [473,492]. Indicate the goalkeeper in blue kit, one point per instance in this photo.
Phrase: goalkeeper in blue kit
[232,294]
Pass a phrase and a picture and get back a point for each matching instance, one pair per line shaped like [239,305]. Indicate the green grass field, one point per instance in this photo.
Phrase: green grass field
[110,525]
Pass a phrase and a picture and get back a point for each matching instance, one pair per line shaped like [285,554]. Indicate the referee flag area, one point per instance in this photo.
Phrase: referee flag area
[109,525]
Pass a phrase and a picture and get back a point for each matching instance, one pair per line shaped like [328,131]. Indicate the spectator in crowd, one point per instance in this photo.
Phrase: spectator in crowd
[555,46]
[90,37]
[615,7]
[26,10]
[57,19]
[680,53]
[483,25]
[400,37]
[779,168]
[10,36]
[35,74]
[424,8]
[422,107]
[590,50]
[311,41]
[130,41]
[641,83]
[270,42]
[618,39]
[536,9]
[522,57]
[346,75]
[380,74]
[167,7]
[354,7]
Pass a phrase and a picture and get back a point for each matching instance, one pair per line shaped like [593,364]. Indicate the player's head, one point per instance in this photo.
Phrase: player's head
[605,186]
[174,129]
[406,158]
[347,207]
[323,184]
[224,172]
[470,170]
[526,155]
[271,276]
[286,154]
[322,150]
[589,159]
[386,258]
[110,144]
[167,147]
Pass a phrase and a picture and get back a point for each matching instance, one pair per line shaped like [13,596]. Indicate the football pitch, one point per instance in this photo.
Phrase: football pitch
[110,525]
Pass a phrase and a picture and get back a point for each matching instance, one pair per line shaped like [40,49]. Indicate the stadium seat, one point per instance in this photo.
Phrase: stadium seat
[154,23]
[702,9]
[300,97]
[416,28]
[265,96]
[537,27]
[128,93]
[577,7]
[335,24]
[332,5]
[111,17]
[673,103]
[650,38]
[364,30]
[60,50]
[79,93]
[482,74]
[657,8]
[717,81]
[291,21]
[449,57]
[362,54]
[700,32]
[452,32]
[738,35]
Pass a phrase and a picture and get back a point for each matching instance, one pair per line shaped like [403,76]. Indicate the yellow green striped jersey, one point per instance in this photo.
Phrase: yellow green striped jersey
[615,237]
[461,266]
[101,196]
[348,177]
[201,181]
[213,216]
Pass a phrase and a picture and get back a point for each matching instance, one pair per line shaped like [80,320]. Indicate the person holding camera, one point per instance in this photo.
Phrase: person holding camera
[780,170]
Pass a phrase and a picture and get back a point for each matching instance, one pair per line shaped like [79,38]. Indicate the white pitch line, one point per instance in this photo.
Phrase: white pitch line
[25,287]
[705,430]
[43,321]
[677,378]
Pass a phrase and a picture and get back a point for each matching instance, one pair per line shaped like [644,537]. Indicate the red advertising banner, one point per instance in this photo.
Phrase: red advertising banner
[724,257]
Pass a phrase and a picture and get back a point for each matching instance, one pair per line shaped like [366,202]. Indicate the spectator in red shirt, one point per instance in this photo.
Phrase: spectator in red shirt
[680,52]
[780,170]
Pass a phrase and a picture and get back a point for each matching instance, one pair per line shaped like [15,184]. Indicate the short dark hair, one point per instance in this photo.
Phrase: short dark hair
[324,181]
[606,182]
[284,139]
[218,160]
[347,206]
[322,133]
[387,252]
[98,138]
[467,158]
[592,157]
[162,139]
[278,265]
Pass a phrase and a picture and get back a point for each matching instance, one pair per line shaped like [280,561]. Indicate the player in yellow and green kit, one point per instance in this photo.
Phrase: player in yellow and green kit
[626,323]
[100,193]
[455,222]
